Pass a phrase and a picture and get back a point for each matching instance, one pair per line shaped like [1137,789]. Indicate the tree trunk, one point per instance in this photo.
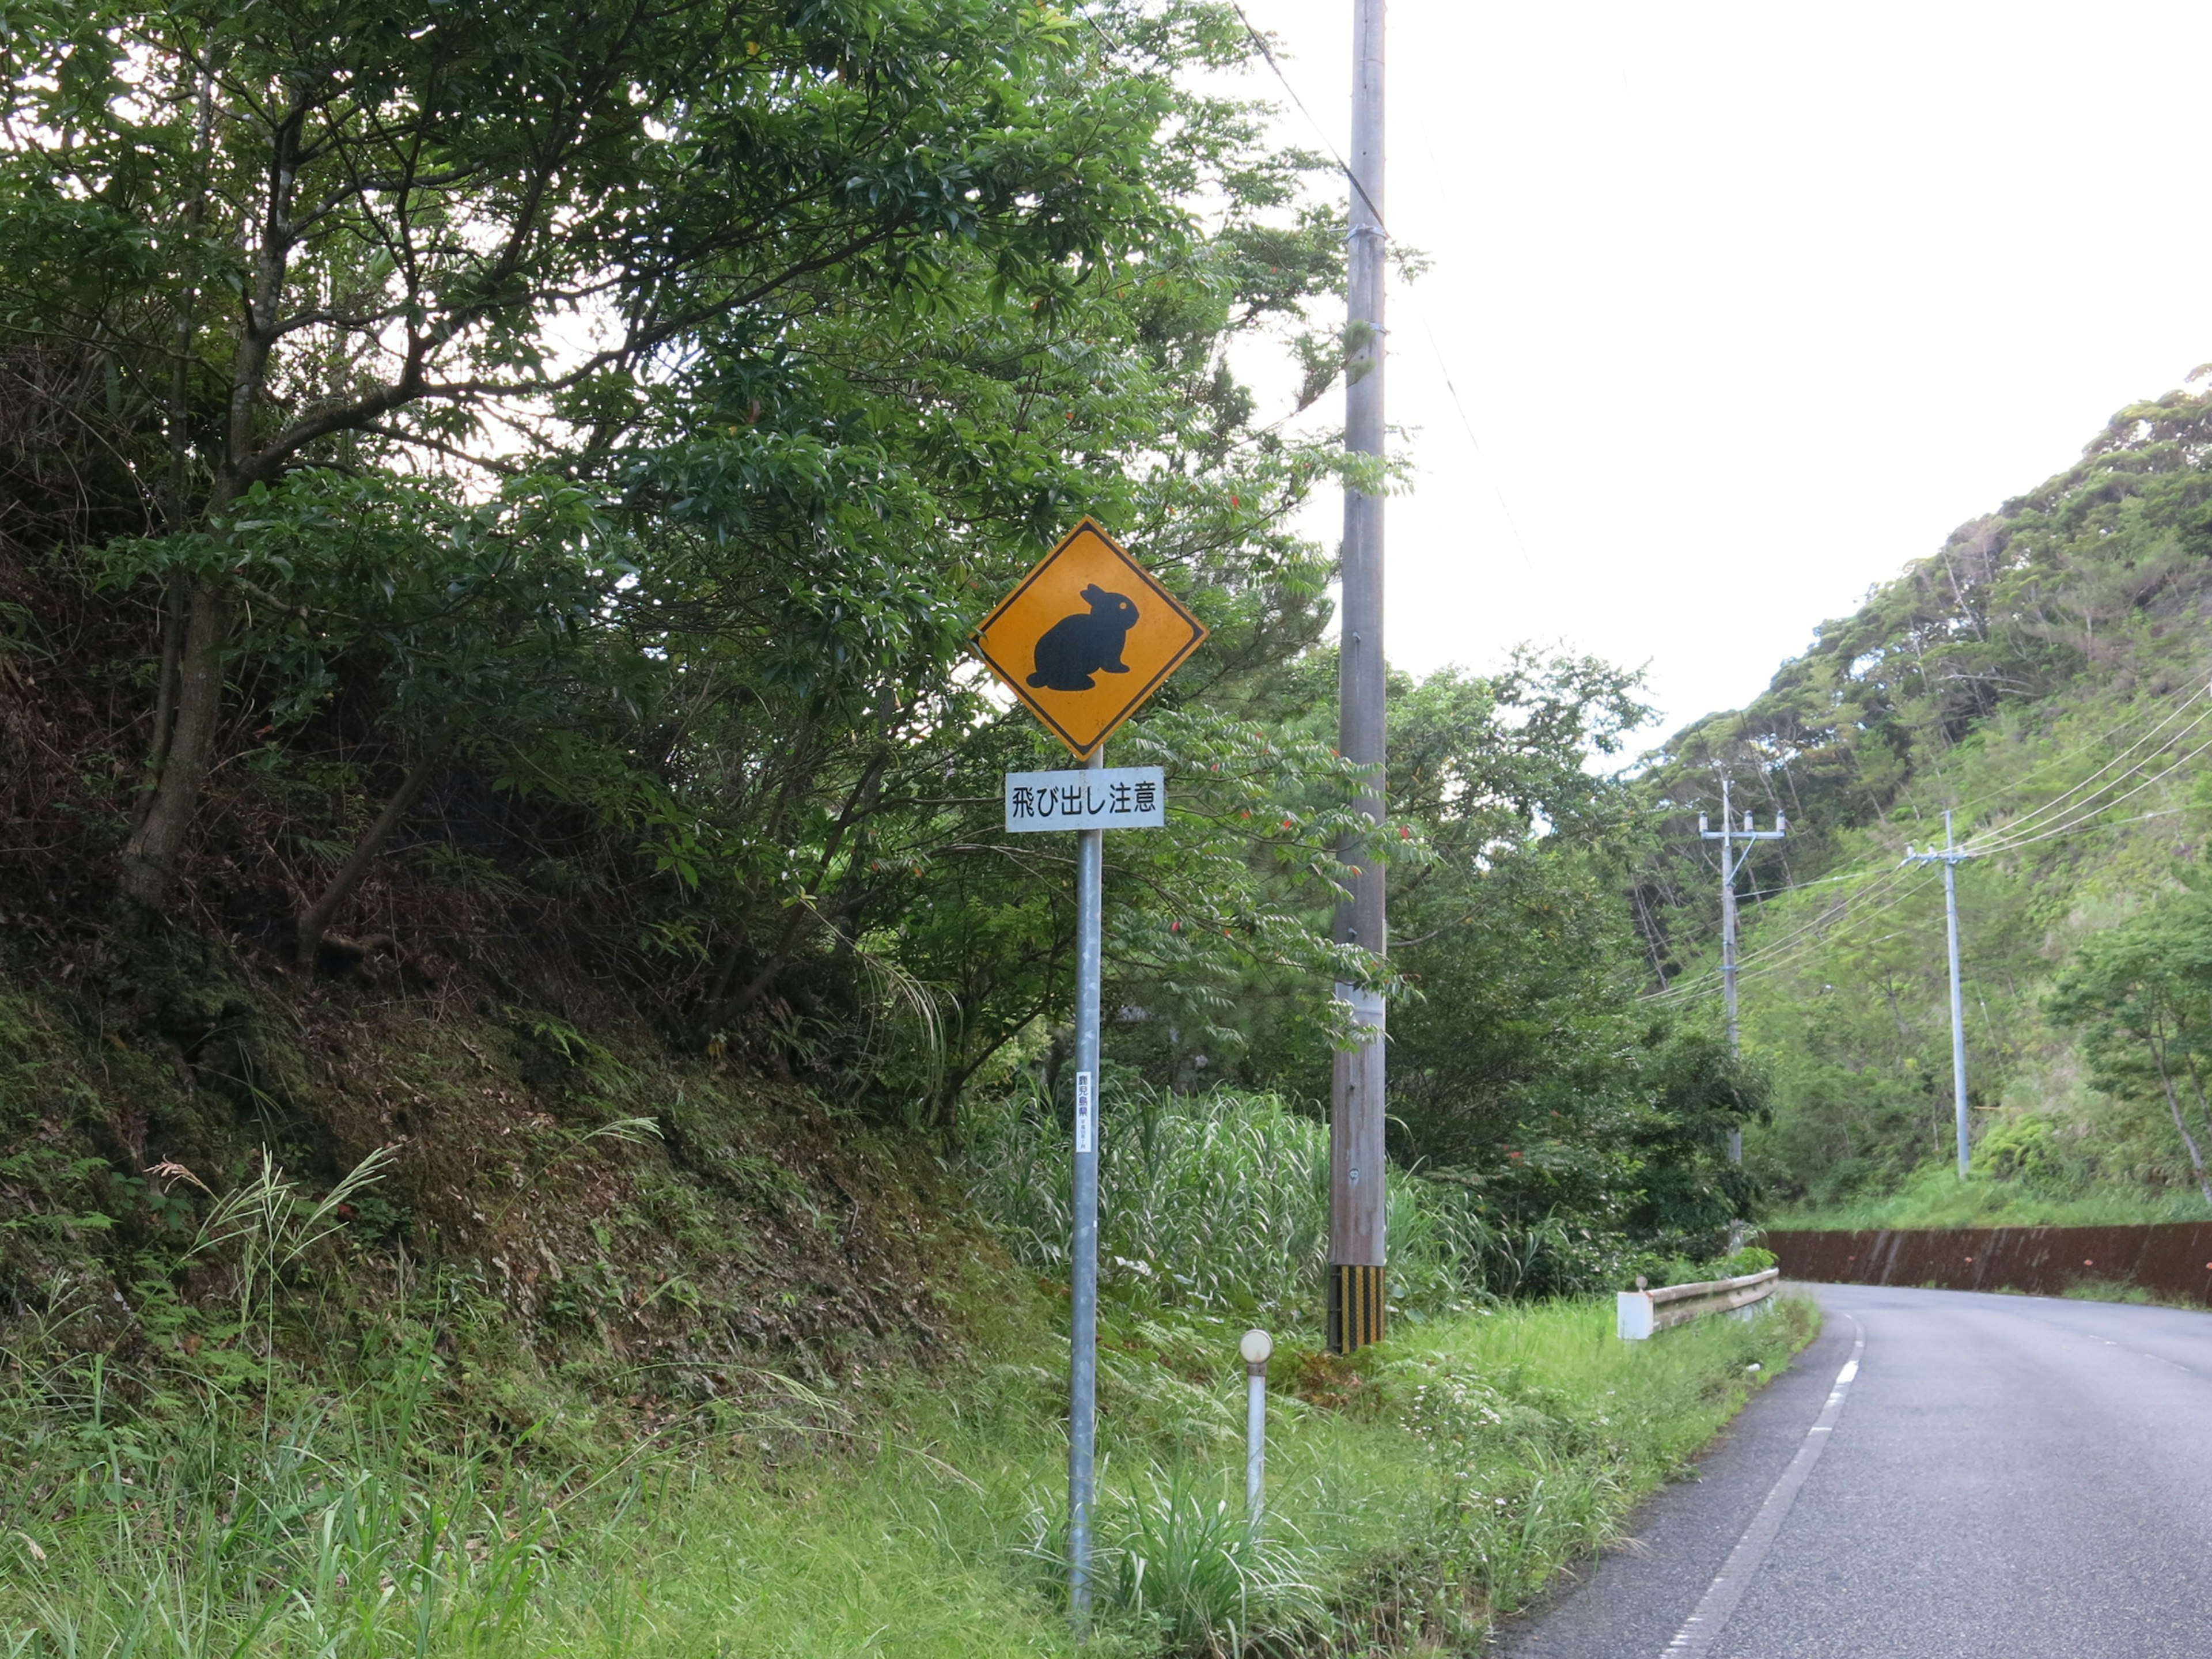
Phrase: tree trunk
[2173,1105]
[149,858]
[174,589]
[317,919]
[795,918]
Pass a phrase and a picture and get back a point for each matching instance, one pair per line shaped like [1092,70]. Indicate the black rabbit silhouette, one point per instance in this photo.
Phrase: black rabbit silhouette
[1088,642]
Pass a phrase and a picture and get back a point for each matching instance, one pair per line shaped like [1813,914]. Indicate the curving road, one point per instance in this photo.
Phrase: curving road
[2004,1477]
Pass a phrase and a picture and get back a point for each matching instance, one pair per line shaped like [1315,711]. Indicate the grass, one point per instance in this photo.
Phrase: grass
[1219,1202]
[276,1476]
[1416,1493]
[1936,1197]
[2113,1290]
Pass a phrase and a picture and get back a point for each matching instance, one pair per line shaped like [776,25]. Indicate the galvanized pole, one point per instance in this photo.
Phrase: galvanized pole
[1732,864]
[1357,1089]
[1957,1014]
[1083,1347]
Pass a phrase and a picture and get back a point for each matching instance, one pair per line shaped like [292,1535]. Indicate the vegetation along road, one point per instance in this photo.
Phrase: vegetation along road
[2006,1478]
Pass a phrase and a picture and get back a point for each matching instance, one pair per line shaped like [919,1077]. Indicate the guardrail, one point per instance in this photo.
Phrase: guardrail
[1640,1312]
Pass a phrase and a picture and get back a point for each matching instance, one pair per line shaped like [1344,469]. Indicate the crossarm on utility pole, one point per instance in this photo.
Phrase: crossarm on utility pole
[1732,863]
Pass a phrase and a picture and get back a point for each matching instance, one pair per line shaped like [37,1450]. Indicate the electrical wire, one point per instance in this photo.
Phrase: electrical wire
[2100,741]
[2064,802]
[1766,958]
[1435,346]
[1760,964]
[1320,131]
[2105,806]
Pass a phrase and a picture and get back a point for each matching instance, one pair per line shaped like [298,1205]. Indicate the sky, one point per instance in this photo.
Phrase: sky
[1747,306]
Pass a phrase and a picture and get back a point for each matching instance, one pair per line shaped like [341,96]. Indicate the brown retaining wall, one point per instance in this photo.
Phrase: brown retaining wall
[2170,1258]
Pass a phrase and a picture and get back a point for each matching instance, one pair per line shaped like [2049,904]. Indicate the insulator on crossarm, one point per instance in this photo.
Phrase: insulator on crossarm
[1701,824]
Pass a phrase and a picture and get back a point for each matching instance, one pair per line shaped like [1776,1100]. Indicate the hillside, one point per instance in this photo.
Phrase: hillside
[2043,677]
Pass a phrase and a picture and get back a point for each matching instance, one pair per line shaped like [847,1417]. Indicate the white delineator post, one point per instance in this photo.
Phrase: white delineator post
[1256,1348]
[1083,1347]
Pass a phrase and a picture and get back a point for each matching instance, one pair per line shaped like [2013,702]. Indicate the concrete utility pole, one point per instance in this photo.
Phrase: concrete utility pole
[1732,862]
[1949,856]
[1356,1186]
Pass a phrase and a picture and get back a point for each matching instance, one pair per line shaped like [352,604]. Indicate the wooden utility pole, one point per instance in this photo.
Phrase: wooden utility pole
[1356,1185]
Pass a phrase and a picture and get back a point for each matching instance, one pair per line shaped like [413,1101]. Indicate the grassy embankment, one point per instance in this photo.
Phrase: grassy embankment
[1936,1197]
[1414,1497]
[210,1499]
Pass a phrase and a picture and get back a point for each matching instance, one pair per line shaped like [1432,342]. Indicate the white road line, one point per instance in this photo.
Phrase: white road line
[1718,1604]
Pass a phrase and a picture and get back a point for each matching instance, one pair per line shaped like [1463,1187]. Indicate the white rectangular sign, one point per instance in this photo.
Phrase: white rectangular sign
[1086,1114]
[1111,798]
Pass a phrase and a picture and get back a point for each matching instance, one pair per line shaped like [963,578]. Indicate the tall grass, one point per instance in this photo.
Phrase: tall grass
[914,1514]
[1220,1201]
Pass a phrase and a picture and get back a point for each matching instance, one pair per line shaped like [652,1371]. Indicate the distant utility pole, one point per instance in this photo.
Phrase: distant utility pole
[1949,856]
[1732,862]
[1356,1184]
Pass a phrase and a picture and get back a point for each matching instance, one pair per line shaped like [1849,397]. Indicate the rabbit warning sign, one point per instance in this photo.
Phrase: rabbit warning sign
[1086,637]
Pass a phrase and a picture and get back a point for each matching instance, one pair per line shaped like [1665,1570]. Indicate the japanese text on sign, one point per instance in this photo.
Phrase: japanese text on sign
[1108,798]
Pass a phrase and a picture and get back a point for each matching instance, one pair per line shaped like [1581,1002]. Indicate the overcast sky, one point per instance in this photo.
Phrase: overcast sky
[1748,305]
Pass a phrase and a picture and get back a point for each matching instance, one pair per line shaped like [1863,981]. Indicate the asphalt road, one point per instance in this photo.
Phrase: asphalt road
[2005,1478]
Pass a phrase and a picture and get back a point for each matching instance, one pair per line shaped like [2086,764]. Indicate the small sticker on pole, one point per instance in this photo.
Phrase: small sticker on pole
[1086,1114]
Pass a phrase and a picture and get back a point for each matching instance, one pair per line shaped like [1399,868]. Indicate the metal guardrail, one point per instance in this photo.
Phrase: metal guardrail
[1639,1312]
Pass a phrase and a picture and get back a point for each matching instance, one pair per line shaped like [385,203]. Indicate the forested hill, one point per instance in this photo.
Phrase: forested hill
[2043,675]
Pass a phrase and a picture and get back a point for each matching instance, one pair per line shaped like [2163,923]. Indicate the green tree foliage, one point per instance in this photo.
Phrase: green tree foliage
[505,498]
[2140,994]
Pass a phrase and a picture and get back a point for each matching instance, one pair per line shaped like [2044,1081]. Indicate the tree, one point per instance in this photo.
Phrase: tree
[2140,995]
[322,232]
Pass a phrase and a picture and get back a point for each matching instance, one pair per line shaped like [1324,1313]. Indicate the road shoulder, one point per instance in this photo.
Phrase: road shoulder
[1631,1601]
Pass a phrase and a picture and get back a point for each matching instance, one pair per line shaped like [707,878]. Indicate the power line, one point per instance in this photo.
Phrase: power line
[1320,131]
[2105,806]
[2098,742]
[2060,802]
[1435,347]
[1793,948]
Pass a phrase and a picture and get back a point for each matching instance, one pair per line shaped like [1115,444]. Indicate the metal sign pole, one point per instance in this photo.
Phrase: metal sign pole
[1083,1348]
[1086,607]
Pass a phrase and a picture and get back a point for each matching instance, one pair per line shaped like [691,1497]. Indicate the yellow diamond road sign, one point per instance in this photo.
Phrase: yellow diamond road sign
[1086,637]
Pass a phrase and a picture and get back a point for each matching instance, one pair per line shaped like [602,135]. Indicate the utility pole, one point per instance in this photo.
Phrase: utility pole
[1356,1185]
[1732,862]
[1949,856]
